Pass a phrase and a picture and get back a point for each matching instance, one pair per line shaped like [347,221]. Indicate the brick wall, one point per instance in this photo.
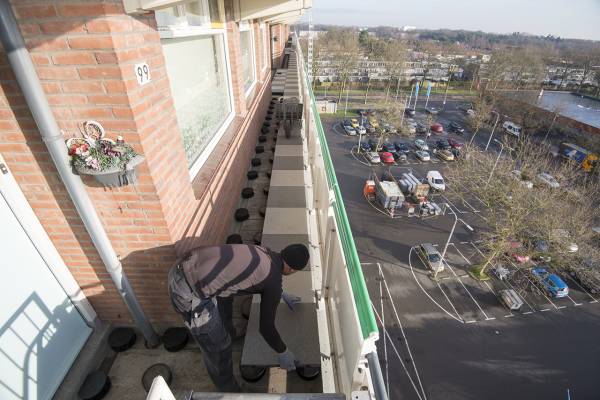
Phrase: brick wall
[84,54]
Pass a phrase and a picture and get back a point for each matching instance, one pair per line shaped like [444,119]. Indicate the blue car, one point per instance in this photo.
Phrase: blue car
[552,283]
[364,146]
[402,147]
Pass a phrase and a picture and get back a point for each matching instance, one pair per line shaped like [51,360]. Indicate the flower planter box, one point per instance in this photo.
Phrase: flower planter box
[114,177]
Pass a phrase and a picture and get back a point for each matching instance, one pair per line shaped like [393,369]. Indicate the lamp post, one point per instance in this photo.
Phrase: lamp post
[497,159]
[550,127]
[493,129]
[469,227]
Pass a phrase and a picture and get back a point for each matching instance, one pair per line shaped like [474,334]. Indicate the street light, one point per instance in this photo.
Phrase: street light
[493,128]
[469,227]
[497,159]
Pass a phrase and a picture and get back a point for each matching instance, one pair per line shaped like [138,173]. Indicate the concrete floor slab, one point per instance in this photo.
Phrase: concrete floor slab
[286,221]
[286,197]
[288,163]
[287,178]
[288,150]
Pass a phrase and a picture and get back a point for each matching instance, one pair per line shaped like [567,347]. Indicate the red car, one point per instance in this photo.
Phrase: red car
[386,157]
[518,252]
[454,143]
[438,129]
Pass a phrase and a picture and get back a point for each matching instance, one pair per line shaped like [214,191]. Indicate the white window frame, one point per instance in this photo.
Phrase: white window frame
[245,26]
[184,30]
[265,46]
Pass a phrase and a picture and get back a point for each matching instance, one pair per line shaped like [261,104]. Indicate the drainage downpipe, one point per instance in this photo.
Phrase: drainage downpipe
[376,376]
[21,64]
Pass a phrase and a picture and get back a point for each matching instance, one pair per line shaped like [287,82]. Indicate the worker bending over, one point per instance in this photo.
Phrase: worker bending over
[202,285]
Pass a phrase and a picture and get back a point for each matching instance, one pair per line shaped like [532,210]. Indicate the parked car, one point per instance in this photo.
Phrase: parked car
[420,128]
[518,252]
[346,122]
[436,180]
[389,147]
[387,157]
[511,299]
[422,155]
[456,128]
[412,129]
[361,130]
[390,129]
[437,128]
[373,143]
[430,257]
[365,146]
[551,283]
[455,144]
[445,155]
[432,110]
[400,157]
[410,112]
[511,128]
[370,128]
[373,157]
[373,121]
[350,131]
[548,180]
[519,176]
[443,144]
[470,113]
[420,144]
[402,147]
[354,123]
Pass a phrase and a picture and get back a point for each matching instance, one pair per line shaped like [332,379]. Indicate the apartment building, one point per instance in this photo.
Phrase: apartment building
[187,85]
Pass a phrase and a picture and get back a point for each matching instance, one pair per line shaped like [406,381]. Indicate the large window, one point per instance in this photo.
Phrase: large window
[247,46]
[265,45]
[196,63]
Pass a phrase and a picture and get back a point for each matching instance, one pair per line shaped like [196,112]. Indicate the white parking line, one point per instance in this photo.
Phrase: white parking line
[574,302]
[462,255]
[459,319]
[398,354]
[506,283]
[468,292]
[451,304]
[452,204]
[584,290]
[385,355]
[403,334]
[542,291]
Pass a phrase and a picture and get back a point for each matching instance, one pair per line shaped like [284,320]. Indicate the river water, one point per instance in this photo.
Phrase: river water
[570,105]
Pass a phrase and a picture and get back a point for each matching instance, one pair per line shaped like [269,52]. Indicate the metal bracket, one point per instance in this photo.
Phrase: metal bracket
[3,168]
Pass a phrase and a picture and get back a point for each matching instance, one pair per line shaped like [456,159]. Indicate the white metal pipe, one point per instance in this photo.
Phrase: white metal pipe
[22,66]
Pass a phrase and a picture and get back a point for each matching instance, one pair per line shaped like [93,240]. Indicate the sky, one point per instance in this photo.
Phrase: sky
[565,18]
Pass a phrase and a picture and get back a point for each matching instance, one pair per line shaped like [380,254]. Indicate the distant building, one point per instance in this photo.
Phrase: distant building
[408,28]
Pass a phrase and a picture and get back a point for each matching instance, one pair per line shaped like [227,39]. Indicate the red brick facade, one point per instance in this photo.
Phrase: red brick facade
[84,54]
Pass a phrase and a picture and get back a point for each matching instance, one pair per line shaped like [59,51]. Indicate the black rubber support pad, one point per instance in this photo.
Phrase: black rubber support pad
[271,160]
[256,162]
[245,307]
[268,174]
[252,374]
[121,339]
[234,239]
[265,129]
[259,149]
[266,190]
[268,117]
[308,373]
[153,371]
[241,214]
[262,138]
[270,112]
[95,386]
[262,211]
[247,193]
[257,238]
[252,175]
[175,339]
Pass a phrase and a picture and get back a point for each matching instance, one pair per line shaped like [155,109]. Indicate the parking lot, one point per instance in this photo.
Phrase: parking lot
[452,338]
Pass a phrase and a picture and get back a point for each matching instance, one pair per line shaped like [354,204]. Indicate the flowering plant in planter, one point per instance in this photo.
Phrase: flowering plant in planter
[103,155]
[111,163]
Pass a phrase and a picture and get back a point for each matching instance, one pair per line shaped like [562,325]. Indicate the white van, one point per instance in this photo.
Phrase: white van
[436,181]
[512,128]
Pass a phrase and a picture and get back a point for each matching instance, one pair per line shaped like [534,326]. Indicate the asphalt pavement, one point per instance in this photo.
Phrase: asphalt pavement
[452,338]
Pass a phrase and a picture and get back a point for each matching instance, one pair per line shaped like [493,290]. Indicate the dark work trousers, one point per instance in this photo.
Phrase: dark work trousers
[209,330]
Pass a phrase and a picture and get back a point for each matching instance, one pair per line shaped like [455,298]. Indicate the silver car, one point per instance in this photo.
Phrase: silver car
[431,257]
